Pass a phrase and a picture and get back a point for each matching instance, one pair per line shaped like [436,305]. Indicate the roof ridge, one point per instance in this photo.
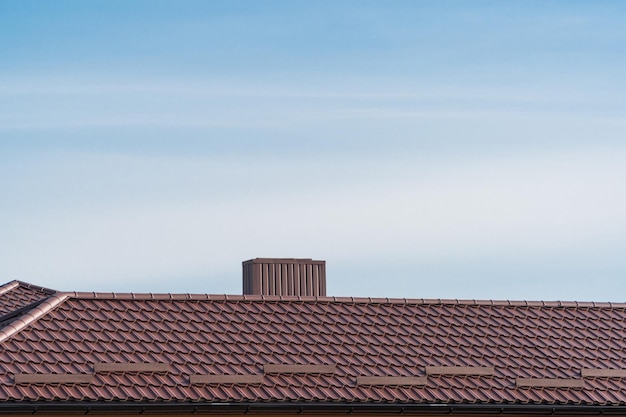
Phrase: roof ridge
[36,287]
[33,315]
[330,299]
[19,311]
[9,286]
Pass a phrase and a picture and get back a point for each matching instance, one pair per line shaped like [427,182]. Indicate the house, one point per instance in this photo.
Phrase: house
[284,347]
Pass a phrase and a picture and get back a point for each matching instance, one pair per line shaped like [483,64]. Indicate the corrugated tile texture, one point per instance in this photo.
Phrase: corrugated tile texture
[16,295]
[204,338]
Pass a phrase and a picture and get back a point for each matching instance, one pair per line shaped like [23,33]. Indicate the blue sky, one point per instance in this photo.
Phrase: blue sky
[444,149]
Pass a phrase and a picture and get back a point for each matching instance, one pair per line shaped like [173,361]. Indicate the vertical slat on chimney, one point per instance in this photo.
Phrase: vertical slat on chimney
[271,279]
[265,288]
[315,276]
[288,279]
[296,282]
[305,279]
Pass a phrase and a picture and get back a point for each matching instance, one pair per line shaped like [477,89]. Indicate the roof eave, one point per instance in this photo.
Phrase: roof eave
[307,407]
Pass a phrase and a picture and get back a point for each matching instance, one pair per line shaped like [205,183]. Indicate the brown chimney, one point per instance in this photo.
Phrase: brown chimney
[273,276]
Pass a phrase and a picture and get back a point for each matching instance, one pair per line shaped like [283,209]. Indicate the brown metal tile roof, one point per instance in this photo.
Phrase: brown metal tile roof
[181,348]
[16,295]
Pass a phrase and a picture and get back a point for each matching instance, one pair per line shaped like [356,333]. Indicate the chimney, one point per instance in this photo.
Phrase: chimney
[287,276]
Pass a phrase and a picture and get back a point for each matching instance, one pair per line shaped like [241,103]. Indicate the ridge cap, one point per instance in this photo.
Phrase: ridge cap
[334,299]
[5,288]
[15,283]
[36,287]
[33,315]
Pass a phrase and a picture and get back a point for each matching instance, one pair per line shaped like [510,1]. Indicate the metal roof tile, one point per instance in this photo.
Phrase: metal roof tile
[550,382]
[360,336]
[52,378]
[226,379]
[299,368]
[131,367]
[603,373]
[391,380]
[460,370]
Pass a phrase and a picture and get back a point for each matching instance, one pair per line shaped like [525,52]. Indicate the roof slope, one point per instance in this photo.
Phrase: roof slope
[15,295]
[208,348]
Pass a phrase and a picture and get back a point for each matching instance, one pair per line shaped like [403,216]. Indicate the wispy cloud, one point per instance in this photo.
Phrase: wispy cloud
[207,105]
[445,142]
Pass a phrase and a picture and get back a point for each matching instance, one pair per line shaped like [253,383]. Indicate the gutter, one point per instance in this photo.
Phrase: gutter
[307,408]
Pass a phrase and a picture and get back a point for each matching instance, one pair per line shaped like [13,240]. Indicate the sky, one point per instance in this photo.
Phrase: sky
[444,149]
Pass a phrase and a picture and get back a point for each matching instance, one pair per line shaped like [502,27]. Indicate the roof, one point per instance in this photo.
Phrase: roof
[70,348]
[17,294]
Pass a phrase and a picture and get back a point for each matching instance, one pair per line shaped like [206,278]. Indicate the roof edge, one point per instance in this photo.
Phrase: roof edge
[301,407]
[33,315]
[326,299]
[323,299]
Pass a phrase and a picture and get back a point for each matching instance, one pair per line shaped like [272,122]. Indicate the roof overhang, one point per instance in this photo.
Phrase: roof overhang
[292,408]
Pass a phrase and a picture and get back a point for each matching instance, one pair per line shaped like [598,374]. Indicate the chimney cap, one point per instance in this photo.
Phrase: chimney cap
[283,261]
